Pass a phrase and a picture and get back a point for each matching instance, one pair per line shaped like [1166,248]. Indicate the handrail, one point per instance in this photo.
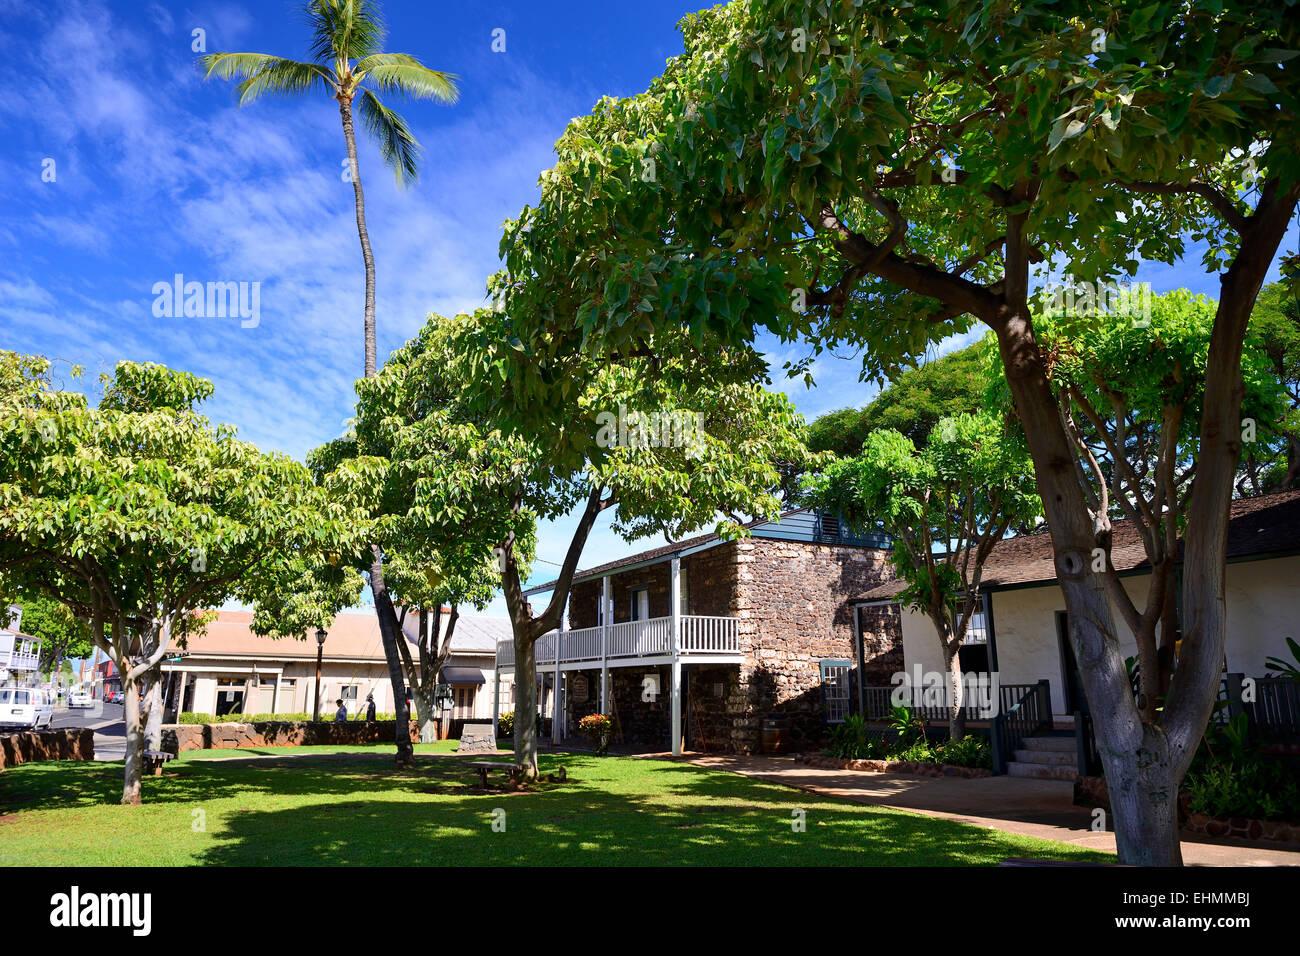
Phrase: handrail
[652,637]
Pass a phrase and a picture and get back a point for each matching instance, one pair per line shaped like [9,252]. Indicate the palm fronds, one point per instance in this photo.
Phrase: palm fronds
[264,74]
[397,143]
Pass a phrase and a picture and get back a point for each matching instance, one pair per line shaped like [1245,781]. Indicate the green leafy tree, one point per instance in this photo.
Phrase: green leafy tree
[62,635]
[409,425]
[1272,462]
[137,513]
[946,504]
[668,440]
[953,384]
[347,38]
[1131,392]
[887,175]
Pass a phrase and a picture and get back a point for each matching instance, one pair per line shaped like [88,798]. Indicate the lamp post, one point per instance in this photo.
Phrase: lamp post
[320,652]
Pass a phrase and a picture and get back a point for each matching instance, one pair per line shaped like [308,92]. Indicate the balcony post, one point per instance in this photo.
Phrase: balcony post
[496,692]
[559,656]
[675,646]
[604,644]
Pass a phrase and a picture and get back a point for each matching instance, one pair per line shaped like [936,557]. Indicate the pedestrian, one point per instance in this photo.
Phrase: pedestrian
[342,713]
[370,708]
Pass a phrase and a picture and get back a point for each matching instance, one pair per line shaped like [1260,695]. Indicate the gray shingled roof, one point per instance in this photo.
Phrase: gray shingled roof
[1266,524]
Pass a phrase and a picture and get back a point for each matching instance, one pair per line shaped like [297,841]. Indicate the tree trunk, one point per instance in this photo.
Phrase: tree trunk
[1143,787]
[525,707]
[956,694]
[426,713]
[1145,833]
[151,688]
[345,110]
[390,633]
[134,768]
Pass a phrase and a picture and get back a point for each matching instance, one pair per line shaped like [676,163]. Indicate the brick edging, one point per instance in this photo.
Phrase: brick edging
[1093,792]
[916,768]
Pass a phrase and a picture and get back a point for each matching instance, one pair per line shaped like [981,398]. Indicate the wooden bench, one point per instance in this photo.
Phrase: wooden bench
[154,760]
[483,766]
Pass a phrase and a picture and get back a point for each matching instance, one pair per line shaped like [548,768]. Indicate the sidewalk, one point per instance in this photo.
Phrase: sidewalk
[1039,808]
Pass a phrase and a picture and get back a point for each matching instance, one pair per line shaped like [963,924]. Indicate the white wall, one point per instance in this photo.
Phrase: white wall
[1263,610]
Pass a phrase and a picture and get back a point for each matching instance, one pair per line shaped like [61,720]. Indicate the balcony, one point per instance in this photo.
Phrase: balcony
[634,642]
[18,655]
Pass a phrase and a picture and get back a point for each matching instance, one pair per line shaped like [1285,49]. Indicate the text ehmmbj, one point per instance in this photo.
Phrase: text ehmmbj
[215,300]
[74,909]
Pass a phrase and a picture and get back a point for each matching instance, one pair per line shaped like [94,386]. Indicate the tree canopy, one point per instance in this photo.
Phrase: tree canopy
[136,513]
[886,175]
[952,384]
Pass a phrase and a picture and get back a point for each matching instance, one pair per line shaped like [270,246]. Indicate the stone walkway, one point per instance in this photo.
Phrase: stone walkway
[1039,808]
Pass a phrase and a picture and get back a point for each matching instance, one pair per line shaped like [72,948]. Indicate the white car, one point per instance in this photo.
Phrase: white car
[79,698]
[27,708]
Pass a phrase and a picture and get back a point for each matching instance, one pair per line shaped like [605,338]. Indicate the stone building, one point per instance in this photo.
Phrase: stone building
[773,626]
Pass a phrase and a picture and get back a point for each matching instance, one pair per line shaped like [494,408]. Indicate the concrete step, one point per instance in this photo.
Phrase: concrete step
[1055,758]
[1054,744]
[1041,771]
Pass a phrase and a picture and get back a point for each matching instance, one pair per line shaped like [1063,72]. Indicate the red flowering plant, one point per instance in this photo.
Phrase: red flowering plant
[597,727]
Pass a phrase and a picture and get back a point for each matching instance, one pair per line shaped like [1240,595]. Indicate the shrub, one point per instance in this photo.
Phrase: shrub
[851,741]
[326,717]
[970,751]
[918,751]
[597,727]
[506,724]
[1259,788]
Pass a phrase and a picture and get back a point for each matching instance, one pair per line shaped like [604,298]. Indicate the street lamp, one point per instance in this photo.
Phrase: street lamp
[320,652]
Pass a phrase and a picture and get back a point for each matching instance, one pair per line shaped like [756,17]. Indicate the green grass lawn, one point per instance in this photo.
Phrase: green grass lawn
[343,806]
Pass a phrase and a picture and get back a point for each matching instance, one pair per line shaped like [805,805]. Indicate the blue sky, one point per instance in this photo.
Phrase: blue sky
[158,173]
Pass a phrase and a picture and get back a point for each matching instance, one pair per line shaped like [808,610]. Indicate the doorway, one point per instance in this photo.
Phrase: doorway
[1070,680]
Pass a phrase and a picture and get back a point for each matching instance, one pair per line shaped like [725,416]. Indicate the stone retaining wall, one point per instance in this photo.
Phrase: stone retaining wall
[178,738]
[1092,792]
[916,768]
[32,746]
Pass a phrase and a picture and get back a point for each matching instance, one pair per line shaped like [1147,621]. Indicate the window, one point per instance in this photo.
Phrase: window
[464,706]
[835,690]
[349,692]
[640,604]
[977,631]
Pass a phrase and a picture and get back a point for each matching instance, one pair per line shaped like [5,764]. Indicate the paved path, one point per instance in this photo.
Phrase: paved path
[1039,808]
[106,720]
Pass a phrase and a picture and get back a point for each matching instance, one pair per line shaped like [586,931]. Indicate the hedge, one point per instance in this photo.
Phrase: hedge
[190,718]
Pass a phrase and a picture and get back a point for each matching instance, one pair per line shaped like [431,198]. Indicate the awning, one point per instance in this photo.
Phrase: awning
[463,675]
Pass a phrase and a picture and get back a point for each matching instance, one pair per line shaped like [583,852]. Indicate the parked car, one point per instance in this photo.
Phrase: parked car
[80,698]
[27,708]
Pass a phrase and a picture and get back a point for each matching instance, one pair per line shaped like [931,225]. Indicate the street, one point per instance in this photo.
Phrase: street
[104,719]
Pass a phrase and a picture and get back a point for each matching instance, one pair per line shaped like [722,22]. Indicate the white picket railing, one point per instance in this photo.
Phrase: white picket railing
[701,634]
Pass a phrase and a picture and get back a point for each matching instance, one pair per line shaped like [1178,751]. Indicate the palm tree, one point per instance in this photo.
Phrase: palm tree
[345,52]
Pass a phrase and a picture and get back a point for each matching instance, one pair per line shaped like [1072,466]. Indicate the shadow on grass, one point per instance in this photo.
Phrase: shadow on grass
[362,811]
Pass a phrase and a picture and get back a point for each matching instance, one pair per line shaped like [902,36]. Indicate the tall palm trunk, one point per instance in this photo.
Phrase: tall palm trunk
[345,111]
[388,628]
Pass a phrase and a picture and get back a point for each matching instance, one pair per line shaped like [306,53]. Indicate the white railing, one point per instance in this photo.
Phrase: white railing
[14,657]
[632,639]
[710,635]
